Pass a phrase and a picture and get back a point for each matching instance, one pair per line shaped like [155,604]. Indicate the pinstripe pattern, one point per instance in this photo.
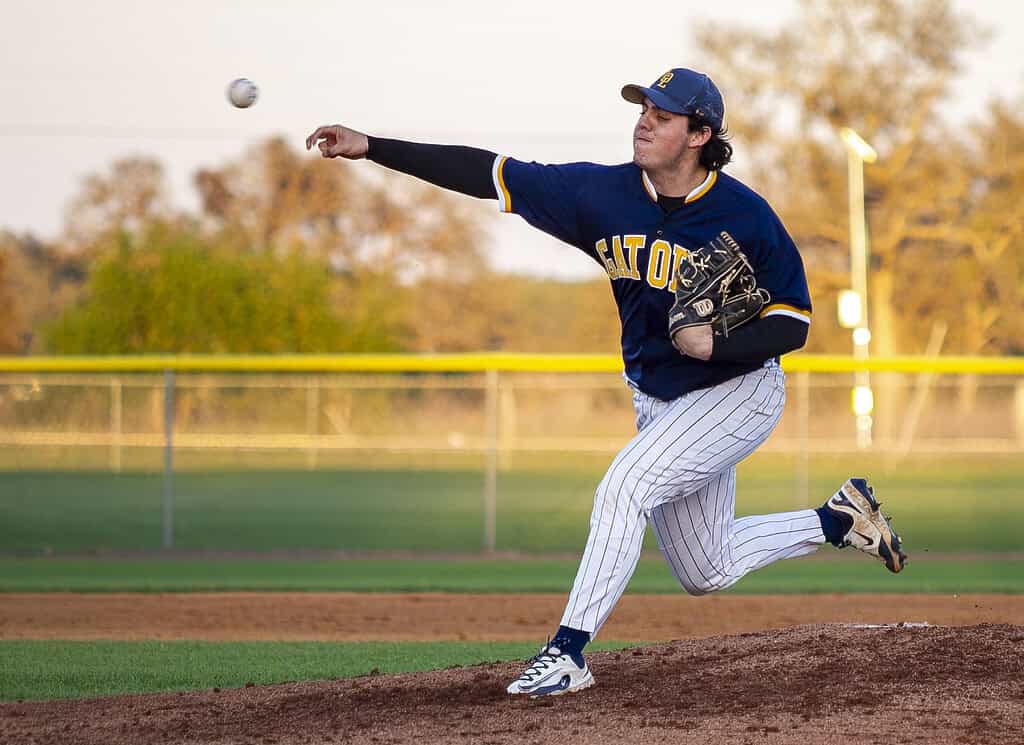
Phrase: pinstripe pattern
[679,471]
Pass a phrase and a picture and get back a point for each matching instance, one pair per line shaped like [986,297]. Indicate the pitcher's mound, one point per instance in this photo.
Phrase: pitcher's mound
[909,683]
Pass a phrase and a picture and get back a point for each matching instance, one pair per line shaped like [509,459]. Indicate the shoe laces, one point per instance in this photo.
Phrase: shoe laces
[540,662]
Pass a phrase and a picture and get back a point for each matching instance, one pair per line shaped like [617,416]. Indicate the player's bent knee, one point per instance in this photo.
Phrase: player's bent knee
[698,590]
[705,585]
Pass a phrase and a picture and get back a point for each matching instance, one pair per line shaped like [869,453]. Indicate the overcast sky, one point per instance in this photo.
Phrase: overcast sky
[83,83]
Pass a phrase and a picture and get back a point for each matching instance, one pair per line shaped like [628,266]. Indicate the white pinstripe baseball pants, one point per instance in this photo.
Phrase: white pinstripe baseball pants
[679,471]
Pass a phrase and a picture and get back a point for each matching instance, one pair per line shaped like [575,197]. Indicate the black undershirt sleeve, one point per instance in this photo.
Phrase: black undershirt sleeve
[761,340]
[463,169]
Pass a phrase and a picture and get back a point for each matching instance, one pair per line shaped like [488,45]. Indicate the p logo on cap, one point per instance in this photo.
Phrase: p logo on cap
[664,80]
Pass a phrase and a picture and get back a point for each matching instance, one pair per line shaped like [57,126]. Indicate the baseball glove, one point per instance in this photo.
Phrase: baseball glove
[715,285]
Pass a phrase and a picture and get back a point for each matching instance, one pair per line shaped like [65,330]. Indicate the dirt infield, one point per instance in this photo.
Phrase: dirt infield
[439,616]
[808,684]
[743,669]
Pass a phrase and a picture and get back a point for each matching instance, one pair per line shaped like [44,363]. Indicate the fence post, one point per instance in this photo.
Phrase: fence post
[506,424]
[803,413]
[168,521]
[312,420]
[491,475]
[115,425]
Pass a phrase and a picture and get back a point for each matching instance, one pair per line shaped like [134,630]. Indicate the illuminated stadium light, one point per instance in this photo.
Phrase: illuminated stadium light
[850,310]
[861,336]
[857,144]
[863,400]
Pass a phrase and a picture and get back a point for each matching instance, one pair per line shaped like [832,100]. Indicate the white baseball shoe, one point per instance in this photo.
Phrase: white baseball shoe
[552,673]
[871,531]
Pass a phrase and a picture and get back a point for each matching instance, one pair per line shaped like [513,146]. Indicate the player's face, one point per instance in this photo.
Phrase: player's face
[661,139]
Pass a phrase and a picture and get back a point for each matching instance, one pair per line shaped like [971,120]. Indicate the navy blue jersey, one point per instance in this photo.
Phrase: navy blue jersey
[612,214]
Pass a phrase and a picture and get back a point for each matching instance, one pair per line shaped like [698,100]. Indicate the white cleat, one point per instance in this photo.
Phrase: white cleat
[552,673]
[871,531]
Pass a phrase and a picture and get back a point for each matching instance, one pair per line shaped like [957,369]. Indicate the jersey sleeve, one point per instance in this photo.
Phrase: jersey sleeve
[780,270]
[546,196]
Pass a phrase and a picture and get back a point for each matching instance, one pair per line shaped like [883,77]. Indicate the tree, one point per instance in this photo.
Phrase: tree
[131,195]
[995,230]
[509,312]
[9,316]
[980,286]
[40,279]
[354,216]
[881,67]
[168,290]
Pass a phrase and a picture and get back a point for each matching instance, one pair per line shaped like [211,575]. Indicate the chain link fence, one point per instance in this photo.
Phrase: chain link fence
[482,444]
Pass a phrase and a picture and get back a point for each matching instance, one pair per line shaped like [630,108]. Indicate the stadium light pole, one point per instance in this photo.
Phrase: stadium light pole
[859,152]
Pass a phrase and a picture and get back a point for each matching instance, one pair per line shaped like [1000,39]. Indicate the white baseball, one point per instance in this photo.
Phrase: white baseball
[242,93]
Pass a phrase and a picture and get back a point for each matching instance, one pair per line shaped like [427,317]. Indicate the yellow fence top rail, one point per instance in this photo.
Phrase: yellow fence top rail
[477,363]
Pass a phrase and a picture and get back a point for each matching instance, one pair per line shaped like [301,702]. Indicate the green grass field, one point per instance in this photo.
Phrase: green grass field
[849,572]
[938,505]
[35,670]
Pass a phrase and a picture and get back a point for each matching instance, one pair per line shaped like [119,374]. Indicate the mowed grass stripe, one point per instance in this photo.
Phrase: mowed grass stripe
[953,505]
[849,572]
[40,670]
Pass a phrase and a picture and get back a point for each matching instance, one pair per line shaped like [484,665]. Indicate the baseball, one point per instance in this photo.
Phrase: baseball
[242,93]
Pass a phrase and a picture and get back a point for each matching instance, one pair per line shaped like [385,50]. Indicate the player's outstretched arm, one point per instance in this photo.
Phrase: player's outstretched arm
[337,141]
[466,170]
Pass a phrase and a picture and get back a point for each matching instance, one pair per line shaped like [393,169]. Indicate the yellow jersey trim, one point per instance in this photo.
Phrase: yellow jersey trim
[498,174]
[781,309]
[651,191]
[703,189]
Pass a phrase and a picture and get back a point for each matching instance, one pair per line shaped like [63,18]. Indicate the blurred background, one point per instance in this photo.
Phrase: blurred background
[140,214]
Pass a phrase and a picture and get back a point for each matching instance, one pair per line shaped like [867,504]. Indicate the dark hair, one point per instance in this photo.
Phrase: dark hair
[717,152]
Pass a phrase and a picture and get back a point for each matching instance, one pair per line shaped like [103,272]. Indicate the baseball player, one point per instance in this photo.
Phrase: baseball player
[706,396]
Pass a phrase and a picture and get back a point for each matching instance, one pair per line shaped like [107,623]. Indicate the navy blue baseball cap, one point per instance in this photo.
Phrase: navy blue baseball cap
[682,91]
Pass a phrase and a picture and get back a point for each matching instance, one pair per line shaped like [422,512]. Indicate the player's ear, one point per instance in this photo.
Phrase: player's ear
[701,137]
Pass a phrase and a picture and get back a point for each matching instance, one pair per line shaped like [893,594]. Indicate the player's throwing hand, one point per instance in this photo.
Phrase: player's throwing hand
[336,141]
